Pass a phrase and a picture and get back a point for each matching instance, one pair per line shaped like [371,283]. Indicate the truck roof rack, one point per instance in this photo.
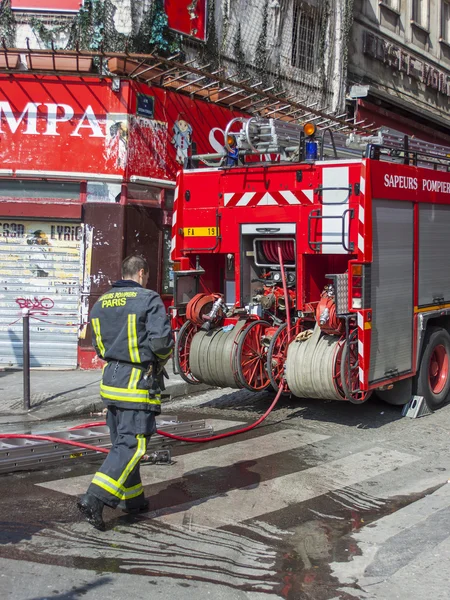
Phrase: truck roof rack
[277,140]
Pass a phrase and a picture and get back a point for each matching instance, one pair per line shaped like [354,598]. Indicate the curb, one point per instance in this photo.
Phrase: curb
[92,404]
[184,389]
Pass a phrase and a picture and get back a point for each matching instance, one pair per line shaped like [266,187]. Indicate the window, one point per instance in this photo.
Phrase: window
[445,28]
[144,194]
[421,13]
[167,272]
[23,190]
[97,191]
[394,4]
[305,36]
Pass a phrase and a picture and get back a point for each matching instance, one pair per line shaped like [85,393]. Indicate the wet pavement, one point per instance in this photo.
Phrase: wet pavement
[294,509]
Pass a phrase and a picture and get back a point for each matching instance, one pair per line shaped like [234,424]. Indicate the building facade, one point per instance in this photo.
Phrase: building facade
[399,65]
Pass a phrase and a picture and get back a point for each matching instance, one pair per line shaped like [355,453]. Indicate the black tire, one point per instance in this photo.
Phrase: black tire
[437,342]
[399,395]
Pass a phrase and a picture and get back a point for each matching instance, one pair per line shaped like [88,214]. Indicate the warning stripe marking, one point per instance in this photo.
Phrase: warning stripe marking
[273,198]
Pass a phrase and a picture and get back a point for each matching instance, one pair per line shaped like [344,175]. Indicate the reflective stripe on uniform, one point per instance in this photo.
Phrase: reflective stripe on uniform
[128,395]
[133,340]
[140,451]
[134,379]
[98,336]
[116,487]
[164,356]
[125,392]
[108,485]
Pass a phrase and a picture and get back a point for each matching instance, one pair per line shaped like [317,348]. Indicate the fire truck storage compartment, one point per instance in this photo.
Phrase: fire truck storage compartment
[259,254]
[314,269]
[434,254]
[186,286]
[392,289]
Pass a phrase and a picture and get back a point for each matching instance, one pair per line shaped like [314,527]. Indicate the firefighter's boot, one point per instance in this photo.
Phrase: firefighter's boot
[92,510]
[141,508]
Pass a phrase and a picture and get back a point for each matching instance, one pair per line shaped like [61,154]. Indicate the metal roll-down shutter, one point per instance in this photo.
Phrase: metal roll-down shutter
[40,270]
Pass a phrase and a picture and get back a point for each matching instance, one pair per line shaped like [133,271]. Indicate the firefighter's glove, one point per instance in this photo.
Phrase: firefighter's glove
[161,363]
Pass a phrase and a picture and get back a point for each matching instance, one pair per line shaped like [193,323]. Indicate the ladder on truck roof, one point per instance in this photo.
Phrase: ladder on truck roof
[258,136]
[20,454]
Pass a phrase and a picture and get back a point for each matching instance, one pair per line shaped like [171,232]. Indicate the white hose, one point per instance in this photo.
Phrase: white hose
[310,366]
[212,354]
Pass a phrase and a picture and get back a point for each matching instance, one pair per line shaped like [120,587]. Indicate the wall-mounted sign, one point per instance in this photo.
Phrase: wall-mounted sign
[358,91]
[188,17]
[47,5]
[145,106]
[43,127]
[402,61]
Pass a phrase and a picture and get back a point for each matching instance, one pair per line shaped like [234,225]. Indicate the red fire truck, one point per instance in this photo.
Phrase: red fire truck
[323,268]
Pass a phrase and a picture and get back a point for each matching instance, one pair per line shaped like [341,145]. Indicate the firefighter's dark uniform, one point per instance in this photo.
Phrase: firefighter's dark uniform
[131,331]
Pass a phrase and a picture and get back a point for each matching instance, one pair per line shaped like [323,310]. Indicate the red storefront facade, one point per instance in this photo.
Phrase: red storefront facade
[87,176]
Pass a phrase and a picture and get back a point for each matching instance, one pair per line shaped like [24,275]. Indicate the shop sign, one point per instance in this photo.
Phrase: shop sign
[188,17]
[402,61]
[47,5]
[62,124]
[53,232]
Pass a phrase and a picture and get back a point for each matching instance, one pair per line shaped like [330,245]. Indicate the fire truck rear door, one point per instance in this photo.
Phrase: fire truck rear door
[434,254]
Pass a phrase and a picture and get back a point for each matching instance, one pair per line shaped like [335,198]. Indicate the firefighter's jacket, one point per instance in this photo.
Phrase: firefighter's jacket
[131,332]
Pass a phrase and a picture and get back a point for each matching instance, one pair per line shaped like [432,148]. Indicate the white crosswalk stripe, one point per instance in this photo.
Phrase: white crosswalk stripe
[278,493]
[252,449]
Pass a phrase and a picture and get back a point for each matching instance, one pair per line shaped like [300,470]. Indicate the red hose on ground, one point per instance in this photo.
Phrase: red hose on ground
[84,425]
[163,433]
[49,438]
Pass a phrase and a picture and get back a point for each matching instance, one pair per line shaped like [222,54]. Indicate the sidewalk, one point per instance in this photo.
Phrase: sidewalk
[61,394]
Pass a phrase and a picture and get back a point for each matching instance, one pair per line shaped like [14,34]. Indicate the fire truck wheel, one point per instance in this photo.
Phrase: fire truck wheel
[276,357]
[350,381]
[182,351]
[251,357]
[433,378]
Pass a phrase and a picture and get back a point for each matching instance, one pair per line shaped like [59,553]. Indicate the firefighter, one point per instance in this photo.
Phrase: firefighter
[132,334]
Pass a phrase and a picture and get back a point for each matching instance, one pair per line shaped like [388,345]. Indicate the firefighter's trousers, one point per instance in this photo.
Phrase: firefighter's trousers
[118,481]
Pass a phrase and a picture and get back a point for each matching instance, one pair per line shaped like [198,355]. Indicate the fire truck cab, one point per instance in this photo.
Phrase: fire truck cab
[322,268]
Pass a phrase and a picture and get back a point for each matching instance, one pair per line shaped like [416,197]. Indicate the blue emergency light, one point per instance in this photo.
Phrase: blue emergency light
[311,146]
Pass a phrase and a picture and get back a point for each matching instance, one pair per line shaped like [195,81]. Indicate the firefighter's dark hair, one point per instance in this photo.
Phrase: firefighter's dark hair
[132,265]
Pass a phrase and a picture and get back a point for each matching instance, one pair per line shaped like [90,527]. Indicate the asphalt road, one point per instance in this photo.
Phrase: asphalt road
[323,501]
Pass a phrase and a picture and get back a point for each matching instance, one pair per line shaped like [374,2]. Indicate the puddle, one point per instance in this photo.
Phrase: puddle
[322,535]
